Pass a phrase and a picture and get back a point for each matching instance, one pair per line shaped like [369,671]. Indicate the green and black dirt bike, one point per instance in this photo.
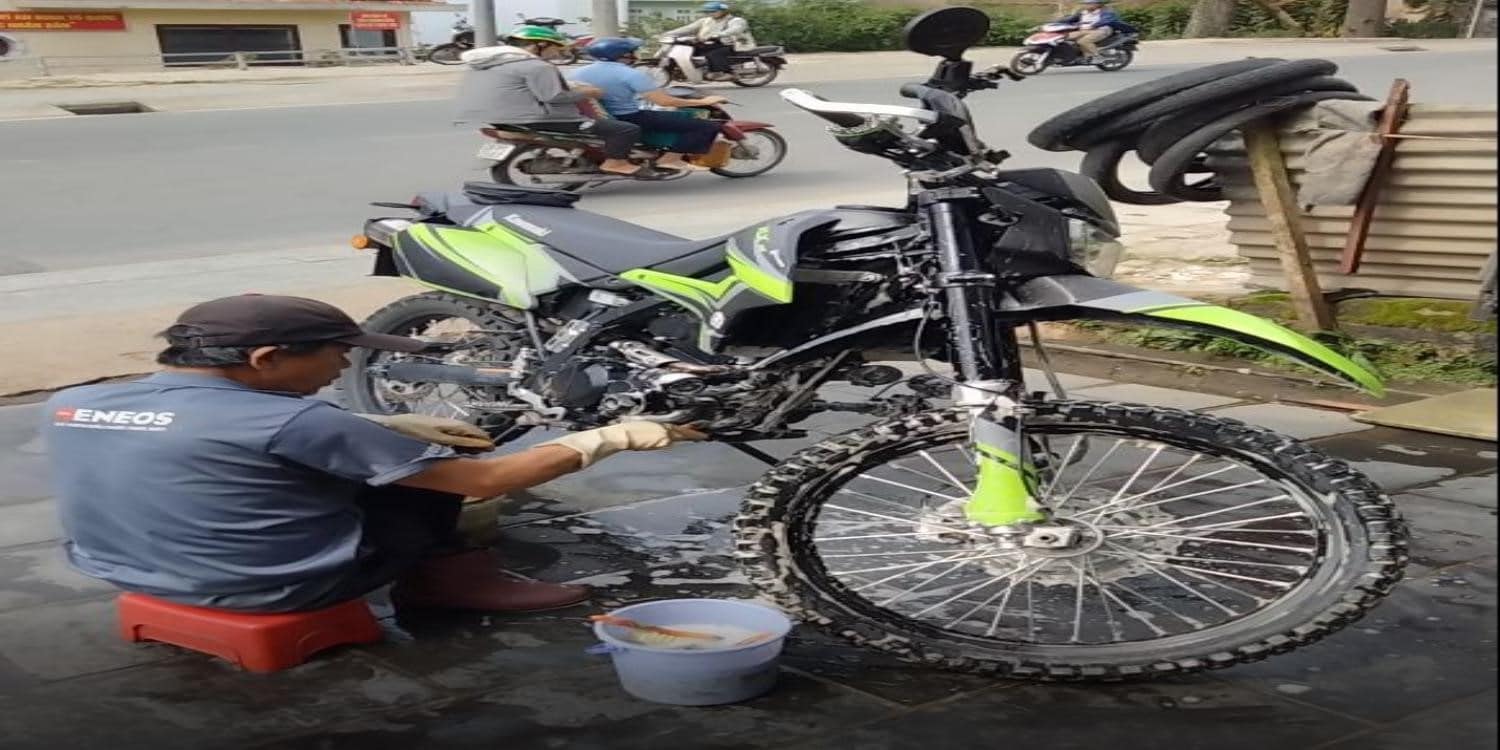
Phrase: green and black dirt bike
[973,524]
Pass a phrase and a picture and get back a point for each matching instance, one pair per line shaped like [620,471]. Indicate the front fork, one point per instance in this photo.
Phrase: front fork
[988,363]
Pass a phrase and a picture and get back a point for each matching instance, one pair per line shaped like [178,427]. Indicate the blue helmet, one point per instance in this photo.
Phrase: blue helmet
[612,48]
[714,7]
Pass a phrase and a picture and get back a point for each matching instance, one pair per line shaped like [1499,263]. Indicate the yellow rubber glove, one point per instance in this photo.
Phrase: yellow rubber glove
[603,442]
[440,430]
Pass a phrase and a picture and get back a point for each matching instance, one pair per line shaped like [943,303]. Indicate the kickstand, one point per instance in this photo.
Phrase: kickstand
[755,453]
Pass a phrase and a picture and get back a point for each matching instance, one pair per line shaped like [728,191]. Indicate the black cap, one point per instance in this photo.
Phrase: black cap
[271,320]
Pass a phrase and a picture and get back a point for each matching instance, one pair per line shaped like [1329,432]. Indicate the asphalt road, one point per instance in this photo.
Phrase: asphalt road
[98,191]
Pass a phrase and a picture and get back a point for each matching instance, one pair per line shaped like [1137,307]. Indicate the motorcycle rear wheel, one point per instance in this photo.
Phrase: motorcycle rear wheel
[766,73]
[1347,541]
[512,169]
[446,54]
[1030,62]
[436,316]
[1112,60]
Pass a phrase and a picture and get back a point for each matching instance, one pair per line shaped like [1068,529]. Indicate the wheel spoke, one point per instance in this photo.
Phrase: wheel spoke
[1134,613]
[944,471]
[867,536]
[1154,490]
[1230,542]
[1088,474]
[1062,466]
[1300,569]
[1221,526]
[1179,498]
[866,476]
[1192,572]
[1115,631]
[909,521]
[1220,511]
[1078,607]
[968,591]
[962,562]
[1192,622]
[1146,563]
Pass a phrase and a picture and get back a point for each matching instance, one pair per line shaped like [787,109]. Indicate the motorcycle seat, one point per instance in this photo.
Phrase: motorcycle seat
[763,51]
[609,244]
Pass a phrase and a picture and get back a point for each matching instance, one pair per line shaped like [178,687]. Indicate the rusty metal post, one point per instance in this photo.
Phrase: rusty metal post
[1268,166]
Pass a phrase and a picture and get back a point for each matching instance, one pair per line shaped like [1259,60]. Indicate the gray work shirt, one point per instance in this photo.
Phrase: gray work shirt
[207,492]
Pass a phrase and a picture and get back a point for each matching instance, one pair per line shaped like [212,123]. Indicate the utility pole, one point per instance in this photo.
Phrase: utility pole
[606,18]
[484,23]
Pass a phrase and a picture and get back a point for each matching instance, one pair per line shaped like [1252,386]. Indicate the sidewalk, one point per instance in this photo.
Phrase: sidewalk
[25,98]
[1419,672]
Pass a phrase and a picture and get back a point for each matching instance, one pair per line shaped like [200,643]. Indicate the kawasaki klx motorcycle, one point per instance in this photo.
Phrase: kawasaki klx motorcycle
[973,524]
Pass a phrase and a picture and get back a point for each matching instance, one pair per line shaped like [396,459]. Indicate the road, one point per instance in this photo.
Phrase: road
[103,191]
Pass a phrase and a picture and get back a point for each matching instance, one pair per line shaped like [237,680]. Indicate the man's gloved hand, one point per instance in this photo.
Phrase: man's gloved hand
[597,444]
[438,430]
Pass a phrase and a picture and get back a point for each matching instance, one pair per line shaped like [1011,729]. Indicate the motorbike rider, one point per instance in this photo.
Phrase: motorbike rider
[718,35]
[1096,22]
[515,85]
[626,87]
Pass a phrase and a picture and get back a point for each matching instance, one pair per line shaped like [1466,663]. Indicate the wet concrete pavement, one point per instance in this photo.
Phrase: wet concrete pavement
[1420,671]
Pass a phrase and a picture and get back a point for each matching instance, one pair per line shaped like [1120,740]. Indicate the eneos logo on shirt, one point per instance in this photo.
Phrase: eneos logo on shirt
[99,419]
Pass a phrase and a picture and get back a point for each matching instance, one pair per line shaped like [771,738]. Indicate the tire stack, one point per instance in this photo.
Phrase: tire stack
[1170,122]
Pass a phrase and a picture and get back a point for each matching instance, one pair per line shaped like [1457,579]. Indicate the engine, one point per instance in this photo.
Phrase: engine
[629,379]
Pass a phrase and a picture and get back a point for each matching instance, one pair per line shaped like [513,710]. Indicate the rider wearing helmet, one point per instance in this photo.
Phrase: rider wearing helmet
[719,34]
[1096,22]
[515,85]
[625,86]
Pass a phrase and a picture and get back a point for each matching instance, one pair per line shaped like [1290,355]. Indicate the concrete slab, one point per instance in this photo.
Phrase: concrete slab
[1467,414]
[1466,723]
[1446,533]
[28,523]
[1152,395]
[37,575]
[1401,459]
[1476,490]
[1298,421]
[1199,714]
[1432,641]
[69,640]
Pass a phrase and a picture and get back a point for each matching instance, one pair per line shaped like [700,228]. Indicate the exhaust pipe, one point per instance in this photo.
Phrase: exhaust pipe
[417,372]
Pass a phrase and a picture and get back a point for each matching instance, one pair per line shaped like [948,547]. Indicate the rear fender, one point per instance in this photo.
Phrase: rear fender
[748,126]
[775,60]
[1074,297]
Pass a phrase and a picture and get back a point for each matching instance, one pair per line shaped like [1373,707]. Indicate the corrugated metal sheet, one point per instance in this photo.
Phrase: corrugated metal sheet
[1435,225]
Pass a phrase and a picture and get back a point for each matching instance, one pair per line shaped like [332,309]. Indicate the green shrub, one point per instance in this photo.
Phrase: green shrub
[1161,20]
[1434,28]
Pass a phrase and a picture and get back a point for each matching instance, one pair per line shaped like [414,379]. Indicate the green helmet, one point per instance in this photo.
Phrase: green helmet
[536,34]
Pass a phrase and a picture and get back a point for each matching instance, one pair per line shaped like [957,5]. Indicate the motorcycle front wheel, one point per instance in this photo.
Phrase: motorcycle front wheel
[759,153]
[446,54]
[1030,62]
[1193,543]
[1111,60]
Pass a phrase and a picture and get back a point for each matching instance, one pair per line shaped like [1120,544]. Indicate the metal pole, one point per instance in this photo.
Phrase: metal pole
[485,30]
[606,18]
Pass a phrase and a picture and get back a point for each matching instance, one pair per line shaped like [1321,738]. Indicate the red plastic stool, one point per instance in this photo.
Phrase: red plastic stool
[257,642]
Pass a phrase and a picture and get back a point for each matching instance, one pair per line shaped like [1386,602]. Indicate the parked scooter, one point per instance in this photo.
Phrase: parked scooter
[462,41]
[677,61]
[1050,47]
[532,158]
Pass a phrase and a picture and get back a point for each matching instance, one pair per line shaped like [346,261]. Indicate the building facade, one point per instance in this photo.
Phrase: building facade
[193,32]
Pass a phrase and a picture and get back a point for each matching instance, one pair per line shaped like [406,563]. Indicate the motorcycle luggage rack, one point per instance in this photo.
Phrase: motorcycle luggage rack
[494,194]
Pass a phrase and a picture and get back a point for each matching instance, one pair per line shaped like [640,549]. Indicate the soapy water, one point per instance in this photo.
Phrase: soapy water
[715,637]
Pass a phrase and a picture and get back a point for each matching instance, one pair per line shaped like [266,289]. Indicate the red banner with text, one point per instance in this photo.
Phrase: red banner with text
[372,21]
[28,21]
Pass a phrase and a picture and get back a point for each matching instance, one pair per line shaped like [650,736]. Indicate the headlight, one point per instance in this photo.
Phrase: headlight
[1093,248]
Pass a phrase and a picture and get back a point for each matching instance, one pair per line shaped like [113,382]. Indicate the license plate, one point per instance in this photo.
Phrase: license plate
[495,151]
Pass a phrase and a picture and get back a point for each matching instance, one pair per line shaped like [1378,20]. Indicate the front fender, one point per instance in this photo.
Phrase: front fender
[1073,297]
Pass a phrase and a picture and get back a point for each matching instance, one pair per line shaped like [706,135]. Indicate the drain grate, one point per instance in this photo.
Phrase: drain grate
[105,108]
